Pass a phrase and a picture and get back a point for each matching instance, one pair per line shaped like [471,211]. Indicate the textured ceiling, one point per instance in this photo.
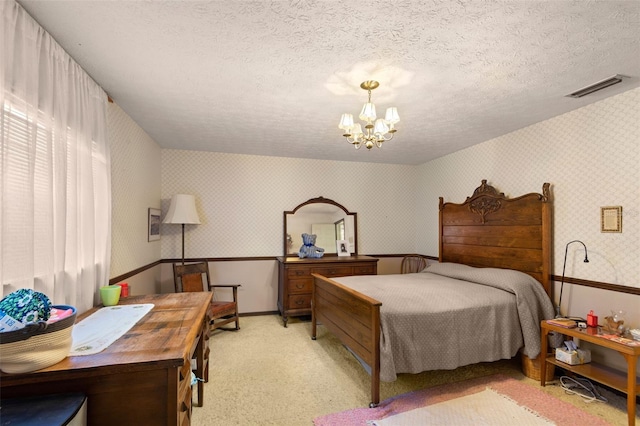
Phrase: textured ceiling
[273,77]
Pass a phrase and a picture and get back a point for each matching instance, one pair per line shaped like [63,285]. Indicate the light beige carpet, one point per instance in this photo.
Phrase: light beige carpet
[265,374]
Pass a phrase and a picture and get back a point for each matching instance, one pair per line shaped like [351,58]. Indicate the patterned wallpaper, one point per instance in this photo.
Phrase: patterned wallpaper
[135,186]
[241,199]
[591,157]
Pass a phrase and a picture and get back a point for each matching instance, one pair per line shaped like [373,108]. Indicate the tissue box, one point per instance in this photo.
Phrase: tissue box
[579,356]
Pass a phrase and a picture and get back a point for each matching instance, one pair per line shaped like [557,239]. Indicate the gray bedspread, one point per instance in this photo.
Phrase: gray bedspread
[452,315]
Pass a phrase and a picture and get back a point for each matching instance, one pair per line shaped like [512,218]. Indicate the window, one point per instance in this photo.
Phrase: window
[54,169]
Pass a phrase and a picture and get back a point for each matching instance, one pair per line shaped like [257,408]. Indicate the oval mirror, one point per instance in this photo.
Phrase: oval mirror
[328,220]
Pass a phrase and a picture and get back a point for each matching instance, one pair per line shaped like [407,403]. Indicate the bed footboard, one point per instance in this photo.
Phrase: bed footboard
[354,319]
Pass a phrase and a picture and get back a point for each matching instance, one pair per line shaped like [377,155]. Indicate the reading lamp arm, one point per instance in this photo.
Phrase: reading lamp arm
[564,266]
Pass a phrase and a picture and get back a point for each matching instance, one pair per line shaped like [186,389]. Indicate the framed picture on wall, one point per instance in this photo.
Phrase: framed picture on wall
[154,224]
[342,248]
[611,219]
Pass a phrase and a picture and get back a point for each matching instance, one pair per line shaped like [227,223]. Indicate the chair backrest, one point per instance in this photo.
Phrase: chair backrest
[413,263]
[191,277]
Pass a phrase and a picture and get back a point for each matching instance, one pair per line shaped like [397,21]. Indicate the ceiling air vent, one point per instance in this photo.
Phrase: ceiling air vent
[597,86]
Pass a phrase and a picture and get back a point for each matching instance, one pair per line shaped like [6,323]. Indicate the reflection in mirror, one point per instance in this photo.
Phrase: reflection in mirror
[340,229]
[325,218]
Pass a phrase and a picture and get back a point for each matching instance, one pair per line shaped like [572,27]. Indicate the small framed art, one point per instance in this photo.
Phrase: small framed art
[342,248]
[154,224]
[611,219]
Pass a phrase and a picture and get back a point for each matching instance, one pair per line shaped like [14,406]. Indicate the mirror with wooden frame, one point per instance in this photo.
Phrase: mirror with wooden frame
[328,220]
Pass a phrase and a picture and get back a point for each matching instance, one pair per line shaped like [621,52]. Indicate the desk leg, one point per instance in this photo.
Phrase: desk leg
[313,320]
[632,361]
[543,355]
[202,360]
[200,367]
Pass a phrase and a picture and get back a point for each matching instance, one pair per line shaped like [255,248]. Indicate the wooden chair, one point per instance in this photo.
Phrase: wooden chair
[190,278]
[413,263]
[195,277]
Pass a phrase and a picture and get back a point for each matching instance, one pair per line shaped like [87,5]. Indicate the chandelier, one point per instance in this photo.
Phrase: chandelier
[376,131]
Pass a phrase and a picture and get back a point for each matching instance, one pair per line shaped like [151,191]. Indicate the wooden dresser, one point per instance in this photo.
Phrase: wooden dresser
[295,280]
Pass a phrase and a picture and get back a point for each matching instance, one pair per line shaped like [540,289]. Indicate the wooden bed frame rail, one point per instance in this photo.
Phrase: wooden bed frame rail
[487,230]
[352,317]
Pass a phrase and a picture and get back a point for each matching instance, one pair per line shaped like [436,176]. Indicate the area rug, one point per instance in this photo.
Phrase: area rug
[516,403]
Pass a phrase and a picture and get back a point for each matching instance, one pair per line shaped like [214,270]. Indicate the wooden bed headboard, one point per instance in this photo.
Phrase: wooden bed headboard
[491,230]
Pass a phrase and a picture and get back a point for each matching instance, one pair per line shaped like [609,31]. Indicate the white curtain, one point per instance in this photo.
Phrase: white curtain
[55,184]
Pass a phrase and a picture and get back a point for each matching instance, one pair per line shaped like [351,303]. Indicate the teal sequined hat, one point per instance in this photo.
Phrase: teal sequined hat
[26,306]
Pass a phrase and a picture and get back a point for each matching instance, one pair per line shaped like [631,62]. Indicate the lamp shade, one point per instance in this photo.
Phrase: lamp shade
[357,131]
[380,128]
[346,122]
[392,117]
[368,112]
[182,210]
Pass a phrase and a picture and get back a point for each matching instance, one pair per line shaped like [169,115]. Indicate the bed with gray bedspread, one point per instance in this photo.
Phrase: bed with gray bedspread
[451,315]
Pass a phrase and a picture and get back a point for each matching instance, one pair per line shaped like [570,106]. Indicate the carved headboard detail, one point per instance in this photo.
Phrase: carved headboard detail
[492,230]
[484,205]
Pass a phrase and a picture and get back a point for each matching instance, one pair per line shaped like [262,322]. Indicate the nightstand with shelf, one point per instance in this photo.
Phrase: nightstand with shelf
[627,383]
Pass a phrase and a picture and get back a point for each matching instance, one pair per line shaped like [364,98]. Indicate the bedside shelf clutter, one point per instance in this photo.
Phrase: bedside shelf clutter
[616,379]
[295,280]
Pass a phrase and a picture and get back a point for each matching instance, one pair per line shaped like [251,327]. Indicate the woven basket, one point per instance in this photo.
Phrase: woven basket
[36,346]
[531,368]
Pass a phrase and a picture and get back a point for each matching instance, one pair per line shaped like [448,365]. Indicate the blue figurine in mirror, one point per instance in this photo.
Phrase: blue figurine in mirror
[309,248]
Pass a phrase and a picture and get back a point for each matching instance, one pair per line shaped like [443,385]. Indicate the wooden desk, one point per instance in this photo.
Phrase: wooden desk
[617,380]
[142,378]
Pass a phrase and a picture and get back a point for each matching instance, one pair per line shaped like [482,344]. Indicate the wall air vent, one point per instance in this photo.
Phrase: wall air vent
[597,86]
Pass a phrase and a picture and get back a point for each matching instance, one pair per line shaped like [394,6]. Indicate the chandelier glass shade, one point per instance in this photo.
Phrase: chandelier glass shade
[376,131]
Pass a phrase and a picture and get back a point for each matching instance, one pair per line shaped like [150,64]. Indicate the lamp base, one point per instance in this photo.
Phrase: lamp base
[558,314]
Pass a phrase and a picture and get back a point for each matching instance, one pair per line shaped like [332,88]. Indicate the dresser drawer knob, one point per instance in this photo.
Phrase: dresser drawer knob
[299,302]
[300,286]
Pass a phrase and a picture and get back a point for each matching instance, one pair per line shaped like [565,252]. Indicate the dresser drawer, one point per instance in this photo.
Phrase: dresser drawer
[364,270]
[303,285]
[295,283]
[184,394]
[298,272]
[185,375]
[334,271]
[299,301]
[184,408]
